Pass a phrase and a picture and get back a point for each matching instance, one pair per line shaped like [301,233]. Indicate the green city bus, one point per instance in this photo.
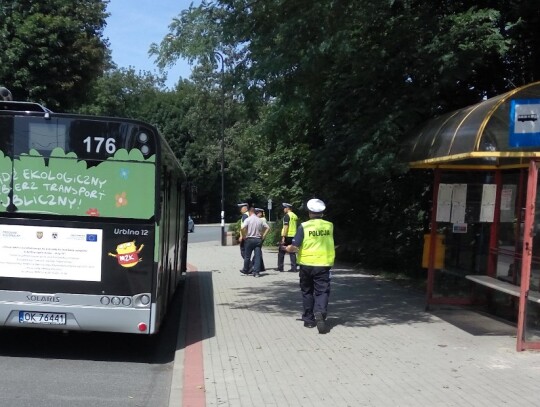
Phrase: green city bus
[93,222]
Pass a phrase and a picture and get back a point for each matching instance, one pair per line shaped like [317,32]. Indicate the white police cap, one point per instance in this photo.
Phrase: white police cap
[286,205]
[316,205]
[242,204]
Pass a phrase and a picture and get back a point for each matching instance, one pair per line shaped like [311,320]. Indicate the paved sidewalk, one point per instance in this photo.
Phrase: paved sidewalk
[383,349]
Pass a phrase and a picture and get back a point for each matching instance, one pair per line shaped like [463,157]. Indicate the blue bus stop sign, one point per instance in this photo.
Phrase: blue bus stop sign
[524,123]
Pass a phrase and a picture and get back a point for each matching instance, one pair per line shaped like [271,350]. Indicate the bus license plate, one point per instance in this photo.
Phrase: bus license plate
[47,318]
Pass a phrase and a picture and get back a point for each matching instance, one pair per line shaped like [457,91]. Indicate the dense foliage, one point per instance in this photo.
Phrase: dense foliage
[52,50]
[315,98]
[331,89]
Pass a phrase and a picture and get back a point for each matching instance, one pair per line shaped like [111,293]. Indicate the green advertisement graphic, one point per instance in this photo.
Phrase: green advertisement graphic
[122,186]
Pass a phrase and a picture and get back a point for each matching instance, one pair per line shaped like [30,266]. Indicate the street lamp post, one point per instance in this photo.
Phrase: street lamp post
[222,133]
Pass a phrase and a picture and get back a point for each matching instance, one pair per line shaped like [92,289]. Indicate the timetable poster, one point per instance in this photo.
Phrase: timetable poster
[487,208]
[451,203]
[459,203]
[508,198]
[444,202]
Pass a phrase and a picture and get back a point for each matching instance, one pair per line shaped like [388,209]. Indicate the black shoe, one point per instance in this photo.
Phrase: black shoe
[292,271]
[321,324]
[280,270]
[244,272]
[310,324]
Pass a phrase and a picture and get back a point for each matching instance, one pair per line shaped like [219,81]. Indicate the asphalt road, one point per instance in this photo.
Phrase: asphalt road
[205,233]
[48,368]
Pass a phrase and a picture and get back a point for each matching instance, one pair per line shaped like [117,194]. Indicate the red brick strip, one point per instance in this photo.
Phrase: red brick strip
[193,389]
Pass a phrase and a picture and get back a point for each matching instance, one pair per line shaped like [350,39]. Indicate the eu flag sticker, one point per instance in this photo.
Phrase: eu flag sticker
[524,123]
[91,237]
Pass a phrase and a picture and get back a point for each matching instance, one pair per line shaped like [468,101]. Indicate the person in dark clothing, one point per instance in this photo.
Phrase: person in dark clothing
[314,243]
[288,231]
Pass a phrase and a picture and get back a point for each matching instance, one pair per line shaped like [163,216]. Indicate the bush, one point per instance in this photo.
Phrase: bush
[235,228]
[274,236]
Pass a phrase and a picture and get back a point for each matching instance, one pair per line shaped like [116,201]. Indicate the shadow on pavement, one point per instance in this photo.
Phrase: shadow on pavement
[357,299]
[475,322]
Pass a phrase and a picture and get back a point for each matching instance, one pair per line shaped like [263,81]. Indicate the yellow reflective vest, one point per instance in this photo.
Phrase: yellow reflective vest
[317,248]
[293,220]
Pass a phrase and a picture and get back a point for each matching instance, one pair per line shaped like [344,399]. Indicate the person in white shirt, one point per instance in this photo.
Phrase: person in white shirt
[254,232]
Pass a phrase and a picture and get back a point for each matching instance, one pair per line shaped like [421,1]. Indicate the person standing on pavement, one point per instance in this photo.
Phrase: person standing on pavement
[243,216]
[254,232]
[314,243]
[260,214]
[287,233]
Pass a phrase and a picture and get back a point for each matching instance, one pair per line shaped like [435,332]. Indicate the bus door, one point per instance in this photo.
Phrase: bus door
[528,336]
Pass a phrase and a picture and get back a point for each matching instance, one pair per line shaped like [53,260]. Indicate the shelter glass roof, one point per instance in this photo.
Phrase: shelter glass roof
[475,136]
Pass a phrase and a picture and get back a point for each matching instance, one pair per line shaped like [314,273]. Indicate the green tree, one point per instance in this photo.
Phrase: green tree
[331,89]
[53,50]
[123,93]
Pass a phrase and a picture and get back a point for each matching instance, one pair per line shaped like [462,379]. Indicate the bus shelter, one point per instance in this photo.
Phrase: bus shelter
[483,246]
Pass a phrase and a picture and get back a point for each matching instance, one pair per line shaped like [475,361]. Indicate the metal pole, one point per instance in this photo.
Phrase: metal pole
[222,133]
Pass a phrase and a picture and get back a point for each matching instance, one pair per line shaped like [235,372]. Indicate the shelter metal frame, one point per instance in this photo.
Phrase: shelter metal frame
[476,139]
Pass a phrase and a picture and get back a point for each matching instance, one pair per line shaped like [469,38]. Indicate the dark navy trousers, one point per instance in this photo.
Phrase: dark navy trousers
[281,256]
[315,288]
[252,245]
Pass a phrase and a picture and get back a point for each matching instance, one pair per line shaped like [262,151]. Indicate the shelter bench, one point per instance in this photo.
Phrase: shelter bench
[499,285]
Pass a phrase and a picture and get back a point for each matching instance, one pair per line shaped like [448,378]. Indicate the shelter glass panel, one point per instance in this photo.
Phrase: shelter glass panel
[466,230]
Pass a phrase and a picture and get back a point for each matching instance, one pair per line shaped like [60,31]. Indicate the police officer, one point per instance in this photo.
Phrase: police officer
[314,242]
[287,233]
[243,216]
